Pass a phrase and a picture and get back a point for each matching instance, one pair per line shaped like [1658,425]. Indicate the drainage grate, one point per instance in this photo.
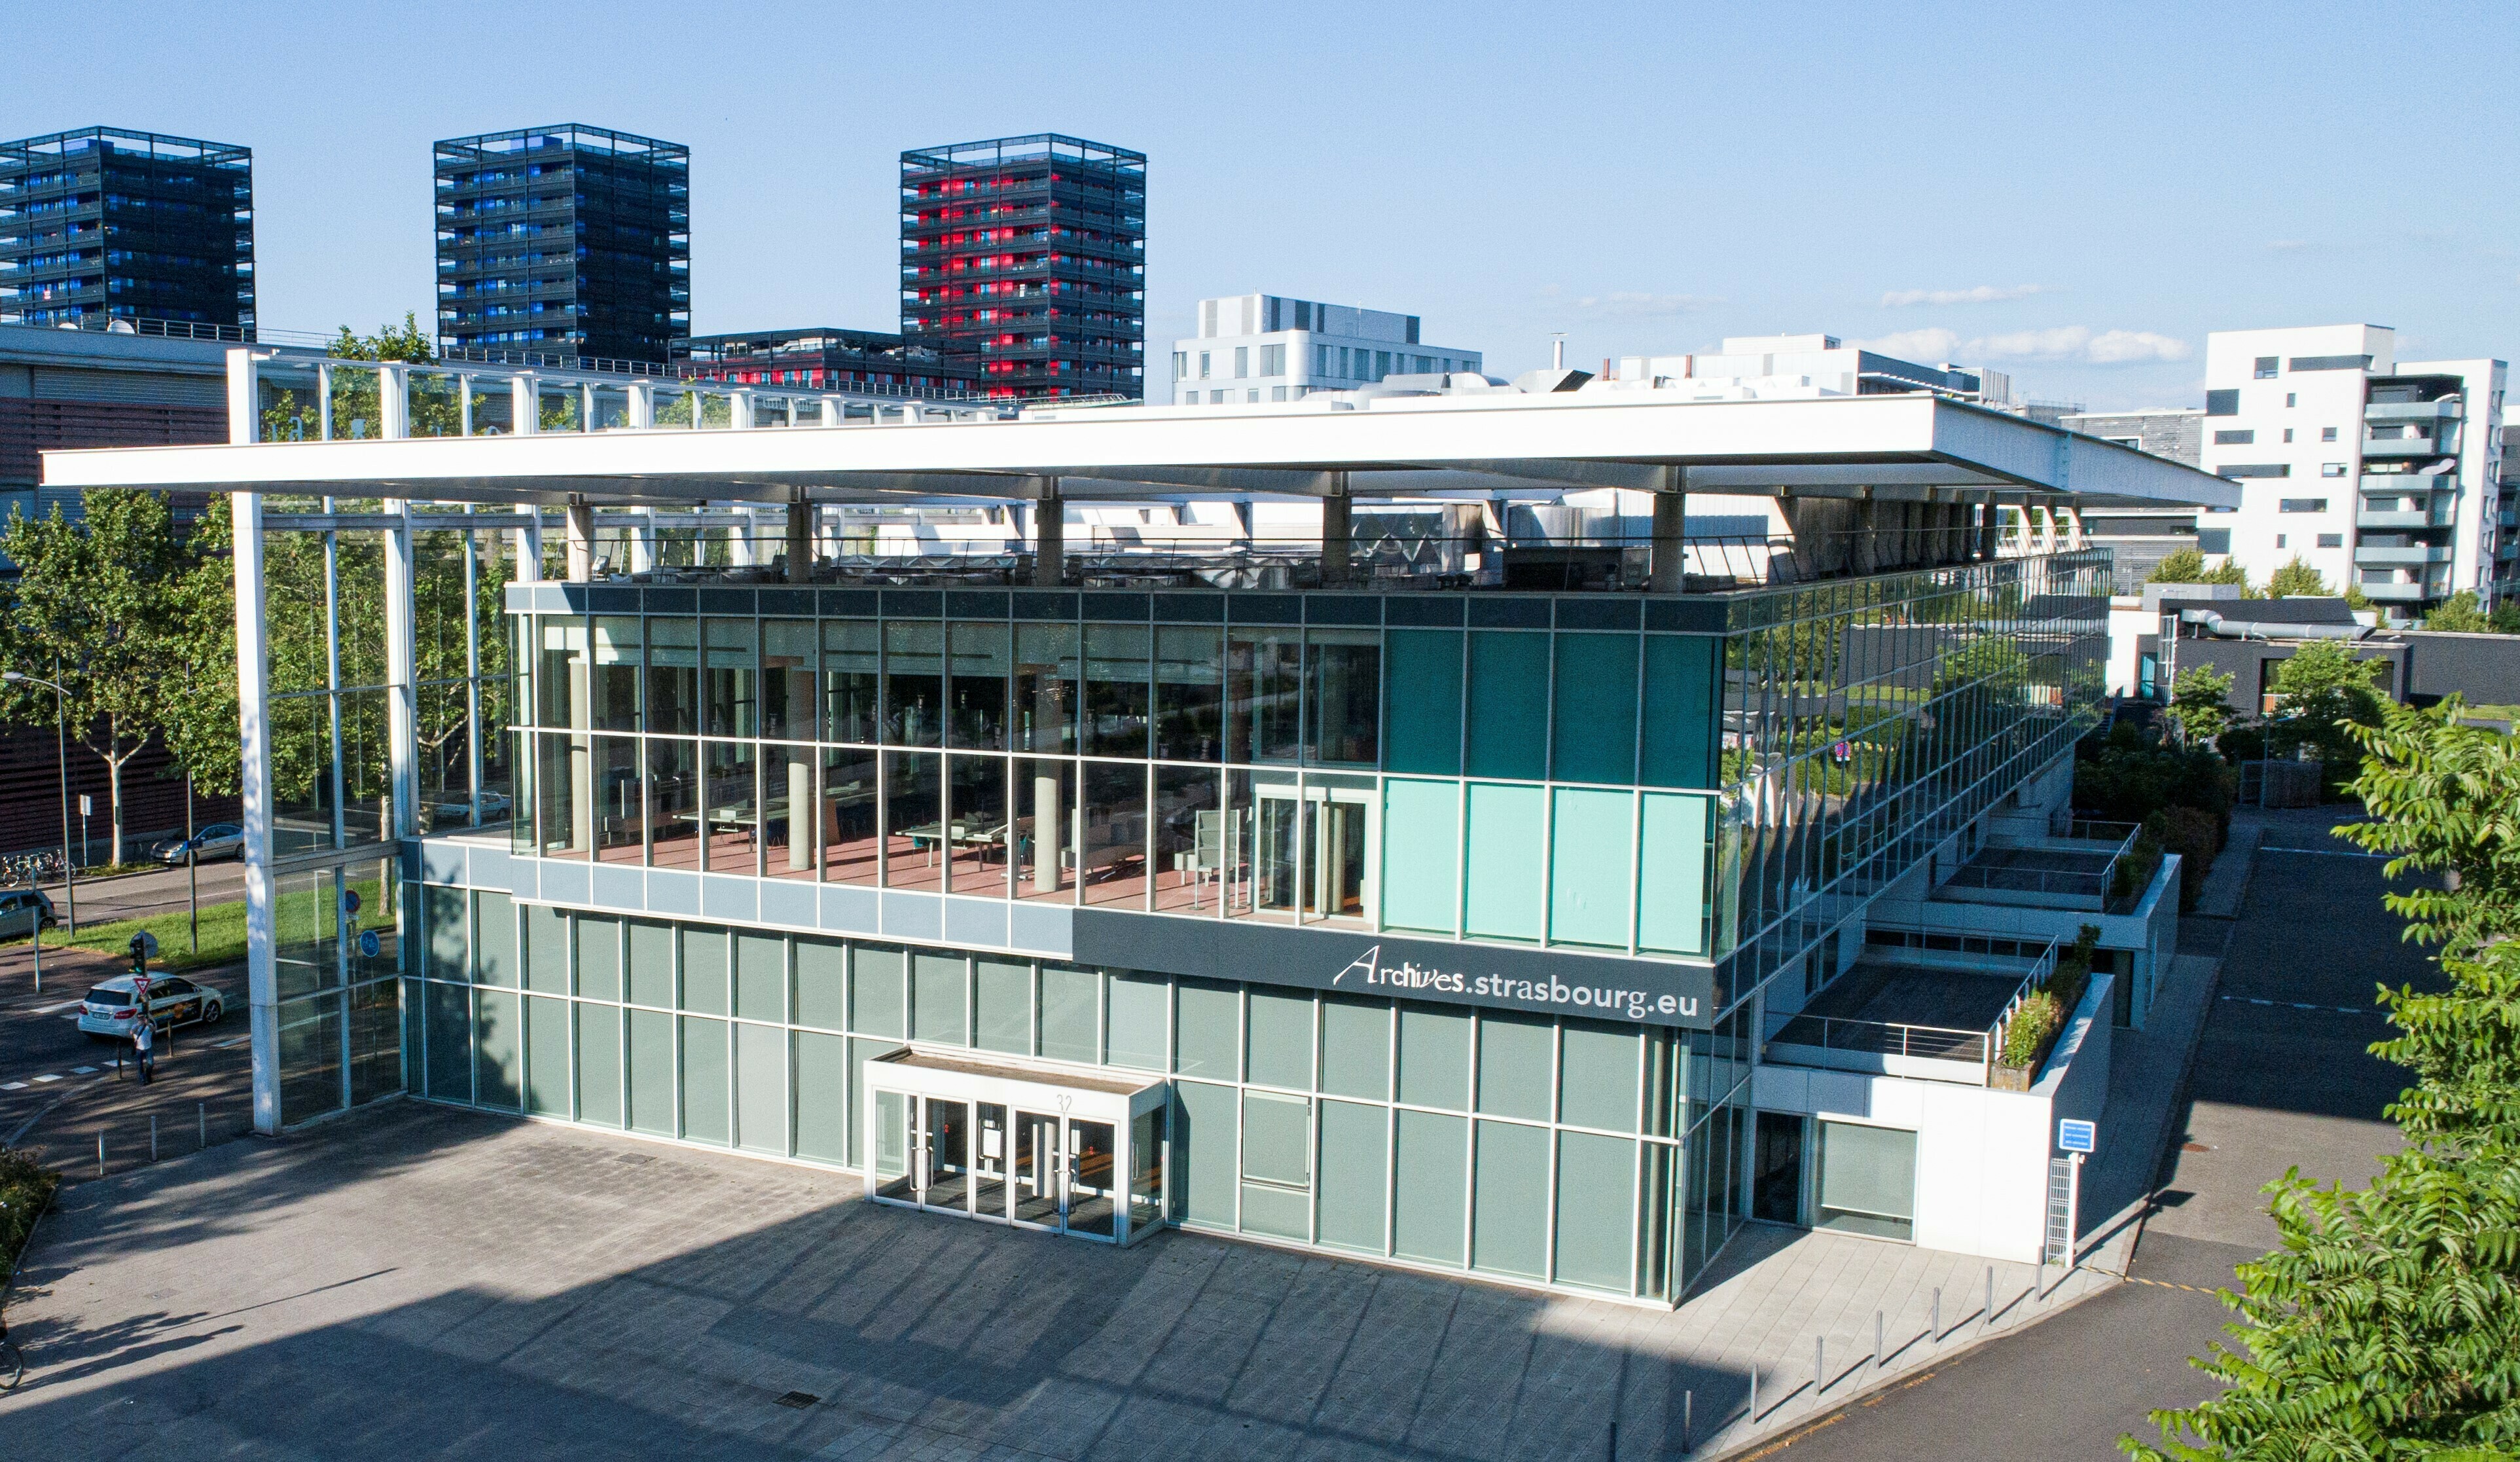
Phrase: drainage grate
[799,1401]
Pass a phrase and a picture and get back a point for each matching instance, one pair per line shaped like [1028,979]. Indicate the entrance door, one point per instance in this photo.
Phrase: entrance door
[1776,1175]
[1039,1165]
[989,1163]
[945,1155]
[1093,1179]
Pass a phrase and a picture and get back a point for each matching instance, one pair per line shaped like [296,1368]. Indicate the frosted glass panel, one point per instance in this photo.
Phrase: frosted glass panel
[1137,1008]
[1595,1213]
[1356,1048]
[1280,1042]
[1421,835]
[1588,867]
[1205,1152]
[1671,908]
[1435,1057]
[1355,1175]
[1429,1197]
[1211,1030]
[1507,835]
[599,1064]
[1510,1226]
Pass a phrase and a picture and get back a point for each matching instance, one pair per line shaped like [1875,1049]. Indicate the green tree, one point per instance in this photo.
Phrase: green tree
[2185,566]
[98,606]
[2462,613]
[199,720]
[2197,702]
[2320,690]
[2444,798]
[2298,580]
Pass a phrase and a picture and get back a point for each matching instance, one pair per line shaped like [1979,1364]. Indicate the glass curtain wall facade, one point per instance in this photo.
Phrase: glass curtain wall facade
[1513,769]
[1585,1155]
[1867,721]
[338,912]
[103,224]
[1034,249]
[566,241]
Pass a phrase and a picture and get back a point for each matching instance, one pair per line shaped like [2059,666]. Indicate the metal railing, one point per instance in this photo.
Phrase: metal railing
[1884,1039]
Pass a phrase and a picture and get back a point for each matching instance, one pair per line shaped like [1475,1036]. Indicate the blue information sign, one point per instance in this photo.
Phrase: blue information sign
[368,944]
[2075,1136]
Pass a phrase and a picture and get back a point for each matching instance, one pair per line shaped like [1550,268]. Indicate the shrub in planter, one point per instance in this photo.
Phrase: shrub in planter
[25,1187]
[2035,1022]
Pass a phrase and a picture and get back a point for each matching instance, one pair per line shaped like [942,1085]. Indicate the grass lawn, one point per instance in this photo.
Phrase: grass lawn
[222,937]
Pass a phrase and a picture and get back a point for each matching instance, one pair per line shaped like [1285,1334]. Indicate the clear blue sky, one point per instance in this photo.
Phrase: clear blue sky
[2074,199]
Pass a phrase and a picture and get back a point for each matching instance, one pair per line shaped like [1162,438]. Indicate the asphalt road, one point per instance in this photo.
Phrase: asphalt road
[135,896]
[60,1090]
[2281,1078]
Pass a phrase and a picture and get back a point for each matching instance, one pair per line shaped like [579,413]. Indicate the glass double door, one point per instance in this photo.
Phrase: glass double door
[986,1159]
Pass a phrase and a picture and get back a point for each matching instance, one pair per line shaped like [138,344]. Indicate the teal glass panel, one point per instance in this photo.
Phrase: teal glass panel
[1280,1042]
[822,1097]
[1435,1057]
[1205,1153]
[599,1065]
[1594,728]
[705,970]
[1355,1175]
[1514,1065]
[1595,1210]
[1356,1047]
[652,1072]
[448,913]
[1510,1208]
[1596,1076]
[494,939]
[1422,854]
[705,1074]
[1211,1030]
[1509,733]
[761,978]
[761,1088]
[1071,1002]
[1507,835]
[599,957]
[821,983]
[1588,878]
[1137,1008]
[1670,851]
[651,964]
[879,992]
[1681,710]
[501,1043]
[940,999]
[546,949]
[1421,703]
[1004,992]
[547,1043]
[1277,1166]
[448,1014]
[1429,1194]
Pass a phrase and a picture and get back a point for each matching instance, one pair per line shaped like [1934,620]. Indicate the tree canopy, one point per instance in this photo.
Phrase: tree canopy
[2321,690]
[2298,580]
[2197,701]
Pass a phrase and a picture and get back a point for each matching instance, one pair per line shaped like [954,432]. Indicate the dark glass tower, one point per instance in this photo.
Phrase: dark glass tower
[101,224]
[565,242]
[1033,248]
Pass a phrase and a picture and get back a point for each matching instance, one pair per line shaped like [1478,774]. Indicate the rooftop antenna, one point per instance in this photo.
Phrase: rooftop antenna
[1557,349]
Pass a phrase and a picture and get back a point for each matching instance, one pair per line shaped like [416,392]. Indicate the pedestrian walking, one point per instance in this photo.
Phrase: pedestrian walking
[144,1035]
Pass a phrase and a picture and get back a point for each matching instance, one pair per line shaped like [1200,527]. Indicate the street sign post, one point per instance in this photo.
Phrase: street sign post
[2073,1136]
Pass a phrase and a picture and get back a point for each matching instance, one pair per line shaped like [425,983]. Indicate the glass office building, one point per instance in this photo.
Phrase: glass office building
[1420,927]
[563,244]
[103,224]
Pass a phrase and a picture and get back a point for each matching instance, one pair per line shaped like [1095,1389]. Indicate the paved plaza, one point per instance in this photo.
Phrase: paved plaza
[417,1281]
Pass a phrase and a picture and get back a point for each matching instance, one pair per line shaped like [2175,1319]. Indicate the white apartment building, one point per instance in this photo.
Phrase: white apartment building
[2376,471]
[1264,348]
[1767,367]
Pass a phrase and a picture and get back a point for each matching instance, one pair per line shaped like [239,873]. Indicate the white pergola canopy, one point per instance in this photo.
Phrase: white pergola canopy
[1494,443]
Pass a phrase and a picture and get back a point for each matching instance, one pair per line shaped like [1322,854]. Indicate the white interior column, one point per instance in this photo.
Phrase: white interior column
[581,541]
[642,540]
[1668,569]
[253,763]
[524,404]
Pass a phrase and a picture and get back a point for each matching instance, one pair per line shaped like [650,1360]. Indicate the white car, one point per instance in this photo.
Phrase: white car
[221,840]
[112,1008]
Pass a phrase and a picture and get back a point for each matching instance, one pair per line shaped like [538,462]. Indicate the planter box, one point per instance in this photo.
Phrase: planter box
[2011,1078]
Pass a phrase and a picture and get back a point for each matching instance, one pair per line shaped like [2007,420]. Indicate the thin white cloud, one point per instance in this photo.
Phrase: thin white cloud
[1978,294]
[2061,342]
[1634,303]
[1933,343]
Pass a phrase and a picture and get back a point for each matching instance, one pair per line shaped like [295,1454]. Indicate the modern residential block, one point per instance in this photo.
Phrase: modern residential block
[2139,540]
[1033,250]
[2378,473]
[566,244]
[1541,935]
[1782,366]
[103,224]
[823,357]
[1266,347]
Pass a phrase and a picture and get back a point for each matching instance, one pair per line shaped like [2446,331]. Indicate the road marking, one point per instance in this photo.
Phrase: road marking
[222,1045]
[2351,1009]
[13,1086]
[2163,1283]
[39,1081]
[82,1070]
[65,1005]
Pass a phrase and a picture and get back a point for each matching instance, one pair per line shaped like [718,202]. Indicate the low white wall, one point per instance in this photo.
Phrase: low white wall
[1981,1155]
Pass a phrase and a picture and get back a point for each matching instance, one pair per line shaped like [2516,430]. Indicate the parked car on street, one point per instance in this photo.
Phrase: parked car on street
[221,840]
[24,911]
[113,1008]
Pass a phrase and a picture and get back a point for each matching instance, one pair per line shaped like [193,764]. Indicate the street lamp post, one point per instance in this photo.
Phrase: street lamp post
[61,739]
